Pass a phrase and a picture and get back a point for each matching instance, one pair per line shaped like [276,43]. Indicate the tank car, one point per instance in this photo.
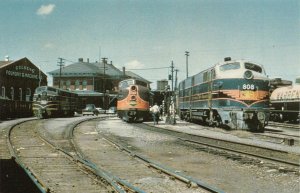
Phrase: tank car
[133,100]
[233,93]
[52,102]
[285,104]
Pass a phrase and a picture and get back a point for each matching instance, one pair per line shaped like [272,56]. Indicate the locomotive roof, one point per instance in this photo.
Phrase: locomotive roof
[220,64]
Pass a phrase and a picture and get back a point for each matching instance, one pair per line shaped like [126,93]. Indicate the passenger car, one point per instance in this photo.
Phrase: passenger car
[90,109]
[100,110]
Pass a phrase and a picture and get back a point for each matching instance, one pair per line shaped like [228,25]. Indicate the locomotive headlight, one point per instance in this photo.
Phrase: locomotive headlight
[248,74]
[133,88]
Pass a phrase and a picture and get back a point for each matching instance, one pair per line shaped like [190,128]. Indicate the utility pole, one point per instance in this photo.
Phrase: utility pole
[176,70]
[172,78]
[104,60]
[60,64]
[187,64]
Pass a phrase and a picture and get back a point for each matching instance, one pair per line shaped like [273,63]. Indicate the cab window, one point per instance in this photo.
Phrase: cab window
[253,67]
[230,66]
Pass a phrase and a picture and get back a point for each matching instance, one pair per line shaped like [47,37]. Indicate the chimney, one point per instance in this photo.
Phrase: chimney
[7,58]
[123,71]
[111,63]
[80,59]
[88,60]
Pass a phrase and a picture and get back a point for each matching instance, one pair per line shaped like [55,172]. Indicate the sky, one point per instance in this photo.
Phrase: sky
[150,34]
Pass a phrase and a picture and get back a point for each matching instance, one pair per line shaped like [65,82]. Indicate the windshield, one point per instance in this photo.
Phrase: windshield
[126,83]
[253,67]
[40,89]
[230,66]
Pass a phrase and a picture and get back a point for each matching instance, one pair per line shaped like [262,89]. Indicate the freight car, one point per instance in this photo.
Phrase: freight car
[233,94]
[133,100]
[285,104]
[53,102]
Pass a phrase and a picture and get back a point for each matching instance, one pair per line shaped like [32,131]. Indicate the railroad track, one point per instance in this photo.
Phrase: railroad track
[279,138]
[136,169]
[54,169]
[245,153]
[285,125]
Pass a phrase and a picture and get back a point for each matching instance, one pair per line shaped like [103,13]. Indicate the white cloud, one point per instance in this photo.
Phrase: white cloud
[48,46]
[45,9]
[134,64]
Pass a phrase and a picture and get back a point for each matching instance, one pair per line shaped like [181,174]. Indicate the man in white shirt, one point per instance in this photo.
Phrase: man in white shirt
[155,113]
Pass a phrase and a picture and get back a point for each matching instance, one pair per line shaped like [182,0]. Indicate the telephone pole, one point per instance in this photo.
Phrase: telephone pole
[187,64]
[104,60]
[176,70]
[172,78]
[60,64]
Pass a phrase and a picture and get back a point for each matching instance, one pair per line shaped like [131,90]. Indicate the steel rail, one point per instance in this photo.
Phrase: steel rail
[186,179]
[285,125]
[242,152]
[232,143]
[114,180]
[39,184]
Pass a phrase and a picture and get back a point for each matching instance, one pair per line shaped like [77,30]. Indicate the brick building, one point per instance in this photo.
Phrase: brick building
[96,83]
[18,81]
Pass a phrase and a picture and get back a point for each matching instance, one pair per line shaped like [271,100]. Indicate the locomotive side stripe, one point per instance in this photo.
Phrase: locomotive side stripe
[241,103]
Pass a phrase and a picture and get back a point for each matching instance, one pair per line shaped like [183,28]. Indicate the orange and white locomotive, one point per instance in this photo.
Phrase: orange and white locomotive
[133,100]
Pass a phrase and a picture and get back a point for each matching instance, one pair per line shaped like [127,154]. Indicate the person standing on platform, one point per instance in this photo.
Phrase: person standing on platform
[155,113]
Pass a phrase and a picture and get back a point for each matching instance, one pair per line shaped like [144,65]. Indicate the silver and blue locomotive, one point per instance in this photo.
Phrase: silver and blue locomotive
[52,102]
[234,94]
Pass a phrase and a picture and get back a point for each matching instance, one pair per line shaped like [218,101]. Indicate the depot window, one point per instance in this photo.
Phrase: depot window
[3,91]
[77,83]
[230,66]
[84,85]
[28,94]
[20,94]
[68,83]
[12,93]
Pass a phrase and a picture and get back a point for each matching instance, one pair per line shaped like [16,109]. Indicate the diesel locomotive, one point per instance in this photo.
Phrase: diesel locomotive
[133,100]
[232,93]
[52,102]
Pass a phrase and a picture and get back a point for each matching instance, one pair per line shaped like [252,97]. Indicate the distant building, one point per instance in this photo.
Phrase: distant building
[96,83]
[297,80]
[162,85]
[18,81]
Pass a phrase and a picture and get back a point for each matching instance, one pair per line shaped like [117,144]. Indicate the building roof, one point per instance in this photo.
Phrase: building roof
[87,69]
[135,76]
[4,63]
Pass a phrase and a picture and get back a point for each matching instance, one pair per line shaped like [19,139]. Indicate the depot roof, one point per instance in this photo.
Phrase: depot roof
[88,69]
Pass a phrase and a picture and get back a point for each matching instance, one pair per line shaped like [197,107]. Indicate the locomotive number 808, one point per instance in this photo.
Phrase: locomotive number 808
[231,93]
